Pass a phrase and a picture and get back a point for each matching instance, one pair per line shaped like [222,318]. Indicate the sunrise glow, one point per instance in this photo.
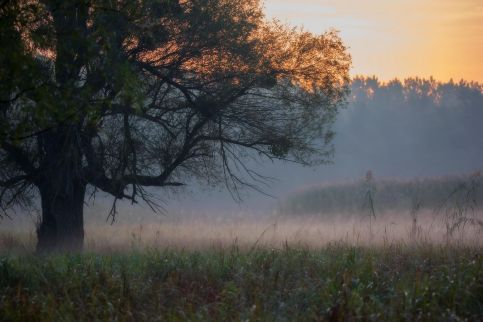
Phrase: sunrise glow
[399,38]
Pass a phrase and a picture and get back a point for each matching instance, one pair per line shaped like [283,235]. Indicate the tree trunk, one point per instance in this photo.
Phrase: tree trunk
[62,189]
[62,225]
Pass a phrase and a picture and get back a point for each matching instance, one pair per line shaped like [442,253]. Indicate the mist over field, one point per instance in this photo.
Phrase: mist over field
[419,138]
[409,129]
[219,160]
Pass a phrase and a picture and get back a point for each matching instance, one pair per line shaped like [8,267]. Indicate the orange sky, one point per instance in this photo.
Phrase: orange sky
[398,38]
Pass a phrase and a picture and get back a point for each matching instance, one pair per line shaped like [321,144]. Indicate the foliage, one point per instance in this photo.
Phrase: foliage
[121,95]
[160,91]
[337,283]
[447,195]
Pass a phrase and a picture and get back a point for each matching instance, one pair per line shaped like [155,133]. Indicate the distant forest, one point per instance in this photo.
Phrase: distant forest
[401,130]
[415,127]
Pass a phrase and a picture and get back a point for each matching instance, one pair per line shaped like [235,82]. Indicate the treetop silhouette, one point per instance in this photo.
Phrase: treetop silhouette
[123,95]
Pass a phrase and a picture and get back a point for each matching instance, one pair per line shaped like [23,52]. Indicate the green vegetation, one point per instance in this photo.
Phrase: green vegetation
[336,283]
[117,96]
[436,194]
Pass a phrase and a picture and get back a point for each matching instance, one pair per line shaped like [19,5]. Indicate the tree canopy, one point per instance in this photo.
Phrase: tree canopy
[120,95]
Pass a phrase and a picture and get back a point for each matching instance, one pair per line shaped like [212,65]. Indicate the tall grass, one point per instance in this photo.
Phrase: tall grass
[427,266]
[387,194]
[336,283]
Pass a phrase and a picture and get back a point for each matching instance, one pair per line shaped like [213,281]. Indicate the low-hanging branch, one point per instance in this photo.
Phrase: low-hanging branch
[124,95]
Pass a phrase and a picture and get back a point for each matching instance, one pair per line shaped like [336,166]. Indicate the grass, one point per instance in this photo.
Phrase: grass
[350,198]
[337,282]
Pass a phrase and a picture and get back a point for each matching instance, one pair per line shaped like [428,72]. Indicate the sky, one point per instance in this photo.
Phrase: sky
[398,38]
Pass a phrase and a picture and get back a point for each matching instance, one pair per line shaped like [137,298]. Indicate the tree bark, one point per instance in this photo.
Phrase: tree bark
[62,189]
[62,225]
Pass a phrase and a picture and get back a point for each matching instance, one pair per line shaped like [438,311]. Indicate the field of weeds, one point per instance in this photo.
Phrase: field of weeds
[268,270]
[338,282]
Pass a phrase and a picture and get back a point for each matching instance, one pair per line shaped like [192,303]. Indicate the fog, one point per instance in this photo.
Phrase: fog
[403,130]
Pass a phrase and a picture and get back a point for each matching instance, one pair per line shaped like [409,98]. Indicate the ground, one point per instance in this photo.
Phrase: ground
[335,282]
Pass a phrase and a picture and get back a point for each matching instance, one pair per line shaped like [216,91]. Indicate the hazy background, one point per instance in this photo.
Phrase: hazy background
[396,129]
[401,130]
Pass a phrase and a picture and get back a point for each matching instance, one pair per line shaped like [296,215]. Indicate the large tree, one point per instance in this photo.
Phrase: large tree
[119,95]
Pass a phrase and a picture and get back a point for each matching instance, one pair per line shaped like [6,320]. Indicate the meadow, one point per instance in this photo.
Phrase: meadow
[110,103]
[270,269]
[461,194]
